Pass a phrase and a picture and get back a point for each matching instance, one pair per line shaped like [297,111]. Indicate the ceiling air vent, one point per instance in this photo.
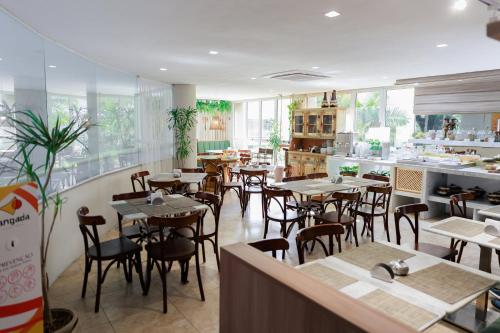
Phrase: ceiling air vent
[297,75]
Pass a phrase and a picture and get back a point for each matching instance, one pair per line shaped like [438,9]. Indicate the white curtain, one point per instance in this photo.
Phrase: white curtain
[154,100]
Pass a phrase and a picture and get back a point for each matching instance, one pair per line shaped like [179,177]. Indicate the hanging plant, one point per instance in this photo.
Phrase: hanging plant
[182,121]
[213,107]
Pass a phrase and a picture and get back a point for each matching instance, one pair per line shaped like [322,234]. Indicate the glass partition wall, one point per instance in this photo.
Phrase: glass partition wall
[38,75]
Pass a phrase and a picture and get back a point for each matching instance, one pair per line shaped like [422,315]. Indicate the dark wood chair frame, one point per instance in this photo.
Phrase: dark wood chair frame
[381,198]
[403,213]
[167,187]
[235,186]
[167,227]
[127,253]
[140,178]
[253,183]
[271,245]
[458,207]
[212,183]
[314,234]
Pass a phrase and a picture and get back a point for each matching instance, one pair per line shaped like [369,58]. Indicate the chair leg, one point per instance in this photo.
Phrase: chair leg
[203,250]
[386,227]
[163,274]
[355,233]
[184,271]
[198,274]
[266,227]
[138,269]
[371,225]
[460,252]
[149,268]
[99,282]
[216,250]
[88,264]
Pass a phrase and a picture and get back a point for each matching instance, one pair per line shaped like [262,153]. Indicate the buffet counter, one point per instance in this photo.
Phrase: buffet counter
[419,181]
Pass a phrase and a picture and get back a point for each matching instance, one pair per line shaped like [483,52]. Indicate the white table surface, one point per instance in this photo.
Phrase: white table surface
[493,212]
[482,239]
[186,178]
[367,284]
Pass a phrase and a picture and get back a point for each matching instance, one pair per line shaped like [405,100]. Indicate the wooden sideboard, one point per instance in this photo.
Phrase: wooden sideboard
[305,163]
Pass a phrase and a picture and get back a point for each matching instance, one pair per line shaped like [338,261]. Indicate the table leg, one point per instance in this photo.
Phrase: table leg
[485,266]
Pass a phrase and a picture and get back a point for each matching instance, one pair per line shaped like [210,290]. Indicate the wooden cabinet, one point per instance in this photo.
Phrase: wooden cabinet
[303,163]
[298,126]
[327,125]
[314,123]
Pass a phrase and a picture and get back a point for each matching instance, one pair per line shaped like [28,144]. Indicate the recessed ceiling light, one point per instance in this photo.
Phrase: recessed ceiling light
[1,59]
[442,45]
[253,78]
[213,52]
[52,66]
[332,14]
[460,4]
[315,67]
[164,69]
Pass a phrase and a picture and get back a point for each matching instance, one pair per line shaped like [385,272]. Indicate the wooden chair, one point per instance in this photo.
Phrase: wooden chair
[235,186]
[192,170]
[212,183]
[301,204]
[280,214]
[121,250]
[376,177]
[211,235]
[345,213]
[404,212]
[253,183]
[136,230]
[172,248]
[458,207]
[317,175]
[271,245]
[314,233]
[211,165]
[140,178]
[167,187]
[378,207]
[186,188]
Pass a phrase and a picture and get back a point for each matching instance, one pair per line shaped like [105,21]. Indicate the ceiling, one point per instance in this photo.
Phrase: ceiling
[372,43]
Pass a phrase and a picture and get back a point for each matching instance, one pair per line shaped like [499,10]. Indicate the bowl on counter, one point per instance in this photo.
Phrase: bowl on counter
[477,191]
[446,190]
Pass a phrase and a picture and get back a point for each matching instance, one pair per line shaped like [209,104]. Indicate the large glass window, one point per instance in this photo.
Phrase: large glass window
[284,117]
[399,115]
[268,118]
[367,112]
[253,123]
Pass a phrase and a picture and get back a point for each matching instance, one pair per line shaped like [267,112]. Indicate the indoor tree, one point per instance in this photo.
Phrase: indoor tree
[182,120]
[274,140]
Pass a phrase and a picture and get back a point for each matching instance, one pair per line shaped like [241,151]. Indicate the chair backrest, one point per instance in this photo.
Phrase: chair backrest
[317,175]
[254,177]
[293,178]
[213,202]
[245,151]
[314,233]
[88,227]
[271,245]
[168,187]
[139,177]
[405,212]
[376,177]
[213,183]
[380,197]
[191,222]
[346,203]
[127,196]
[192,170]
[277,196]
[458,203]
[210,165]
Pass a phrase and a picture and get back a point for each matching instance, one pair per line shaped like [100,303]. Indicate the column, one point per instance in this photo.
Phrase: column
[184,96]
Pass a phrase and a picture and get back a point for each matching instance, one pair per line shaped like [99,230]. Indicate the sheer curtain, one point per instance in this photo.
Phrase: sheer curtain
[154,100]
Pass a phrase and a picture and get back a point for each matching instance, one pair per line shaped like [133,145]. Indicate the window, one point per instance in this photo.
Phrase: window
[284,117]
[399,115]
[367,112]
[253,123]
[268,118]
[240,126]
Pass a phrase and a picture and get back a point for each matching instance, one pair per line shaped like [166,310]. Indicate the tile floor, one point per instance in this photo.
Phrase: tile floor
[125,309]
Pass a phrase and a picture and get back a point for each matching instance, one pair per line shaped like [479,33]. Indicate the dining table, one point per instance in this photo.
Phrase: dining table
[433,289]
[185,177]
[470,231]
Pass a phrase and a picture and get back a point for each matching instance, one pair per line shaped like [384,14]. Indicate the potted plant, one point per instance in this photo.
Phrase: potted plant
[274,140]
[375,147]
[34,136]
[349,170]
[182,120]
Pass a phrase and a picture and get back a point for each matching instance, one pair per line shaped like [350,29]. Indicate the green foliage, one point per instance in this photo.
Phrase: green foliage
[375,144]
[294,105]
[395,117]
[182,121]
[349,169]
[381,173]
[117,122]
[33,136]
[213,107]
[367,114]
[274,138]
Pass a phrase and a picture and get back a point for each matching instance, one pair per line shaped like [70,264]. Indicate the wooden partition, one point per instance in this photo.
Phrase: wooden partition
[259,294]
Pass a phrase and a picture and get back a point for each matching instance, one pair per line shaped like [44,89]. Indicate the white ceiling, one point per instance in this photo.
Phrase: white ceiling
[372,43]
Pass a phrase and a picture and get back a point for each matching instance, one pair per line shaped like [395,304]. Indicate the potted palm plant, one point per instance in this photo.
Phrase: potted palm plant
[32,136]
[182,120]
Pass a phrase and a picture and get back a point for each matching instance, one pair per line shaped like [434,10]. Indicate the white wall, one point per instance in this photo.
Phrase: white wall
[67,242]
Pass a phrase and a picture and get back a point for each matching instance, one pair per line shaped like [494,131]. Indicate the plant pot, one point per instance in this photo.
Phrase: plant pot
[349,174]
[65,321]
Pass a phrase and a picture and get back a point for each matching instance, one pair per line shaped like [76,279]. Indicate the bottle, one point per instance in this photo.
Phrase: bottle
[333,100]
[324,104]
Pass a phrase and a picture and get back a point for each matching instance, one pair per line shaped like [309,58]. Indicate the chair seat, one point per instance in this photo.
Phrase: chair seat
[175,249]
[367,210]
[253,189]
[233,185]
[134,231]
[333,217]
[115,248]
[437,250]
[279,215]
[302,204]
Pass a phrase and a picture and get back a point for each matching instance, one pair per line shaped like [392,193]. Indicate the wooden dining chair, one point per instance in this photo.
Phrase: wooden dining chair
[192,170]
[237,187]
[404,213]
[135,230]
[121,250]
[211,165]
[208,232]
[378,207]
[276,210]
[458,207]
[140,179]
[253,183]
[172,247]
[345,213]
[314,234]
[167,187]
[212,183]
[271,245]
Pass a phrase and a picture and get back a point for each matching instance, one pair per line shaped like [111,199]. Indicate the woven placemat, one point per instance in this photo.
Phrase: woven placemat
[327,275]
[398,309]
[137,202]
[181,203]
[126,209]
[461,227]
[156,210]
[444,327]
[447,283]
[495,241]
[368,255]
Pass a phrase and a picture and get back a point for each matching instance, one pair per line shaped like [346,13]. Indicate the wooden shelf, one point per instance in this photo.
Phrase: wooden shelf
[475,204]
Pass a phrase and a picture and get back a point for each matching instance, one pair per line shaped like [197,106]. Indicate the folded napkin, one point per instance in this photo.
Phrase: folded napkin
[492,227]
